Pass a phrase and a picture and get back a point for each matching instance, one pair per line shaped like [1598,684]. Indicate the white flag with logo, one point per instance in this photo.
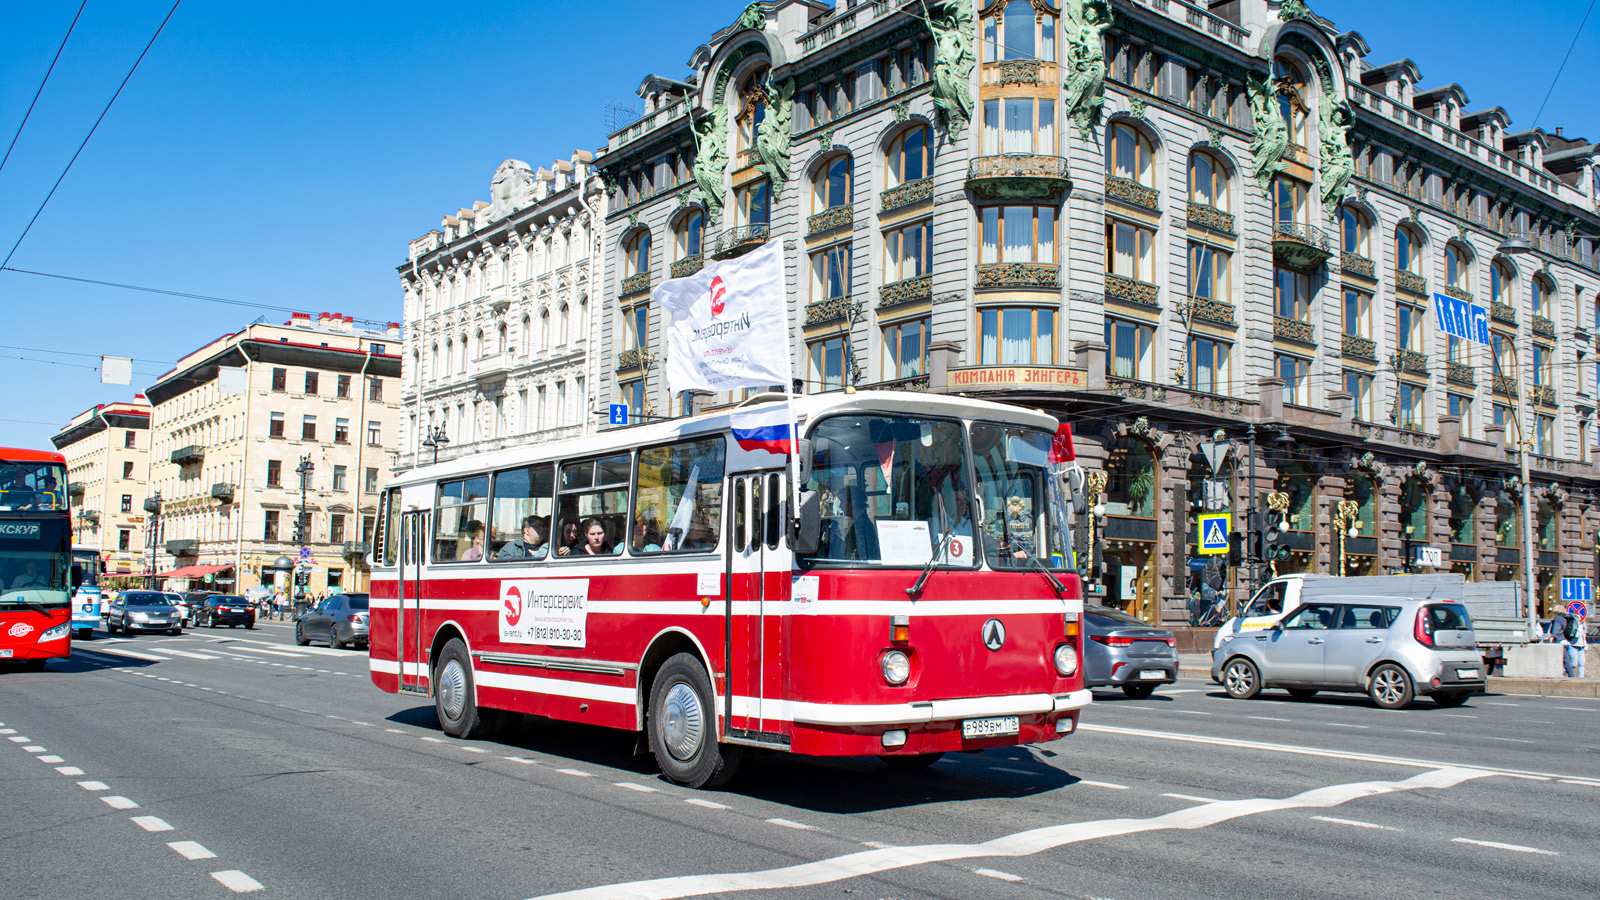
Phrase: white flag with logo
[728,325]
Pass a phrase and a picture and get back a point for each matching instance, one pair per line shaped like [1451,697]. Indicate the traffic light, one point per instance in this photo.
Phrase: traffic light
[1235,550]
[1275,545]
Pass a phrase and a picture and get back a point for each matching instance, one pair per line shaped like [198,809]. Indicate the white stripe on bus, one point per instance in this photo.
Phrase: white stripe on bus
[689,608]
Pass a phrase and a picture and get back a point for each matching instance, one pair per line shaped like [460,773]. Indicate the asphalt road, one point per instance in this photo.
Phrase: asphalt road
[231,761]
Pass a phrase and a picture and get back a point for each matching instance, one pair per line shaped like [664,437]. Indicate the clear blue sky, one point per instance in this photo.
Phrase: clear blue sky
[284,153]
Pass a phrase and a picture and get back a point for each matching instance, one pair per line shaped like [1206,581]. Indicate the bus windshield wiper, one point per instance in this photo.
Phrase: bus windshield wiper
[944,541]
[22,600]
[1055,582]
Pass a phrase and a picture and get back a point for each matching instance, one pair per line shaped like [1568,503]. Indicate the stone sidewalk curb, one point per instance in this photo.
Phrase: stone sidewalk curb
[1542,687]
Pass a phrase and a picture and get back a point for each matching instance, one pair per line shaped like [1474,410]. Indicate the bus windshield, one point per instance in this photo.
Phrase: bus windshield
[28,486]
[35,558]
[1023,512]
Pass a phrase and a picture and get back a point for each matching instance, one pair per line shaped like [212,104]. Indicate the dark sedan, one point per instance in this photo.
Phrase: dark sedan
[225,609]
[1124,652]
[339,620]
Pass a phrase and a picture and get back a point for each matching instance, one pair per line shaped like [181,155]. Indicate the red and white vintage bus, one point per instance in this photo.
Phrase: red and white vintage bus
[651,578]
[36,572]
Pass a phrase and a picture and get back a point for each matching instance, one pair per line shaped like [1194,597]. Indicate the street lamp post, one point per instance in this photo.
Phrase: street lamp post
[302,523]
[152,505]
[436,438]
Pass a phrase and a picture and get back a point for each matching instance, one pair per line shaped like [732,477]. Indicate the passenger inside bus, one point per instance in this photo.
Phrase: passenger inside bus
[594,541]
[646,535]
[31,576]
[474,541]
[534,543]
[569,537]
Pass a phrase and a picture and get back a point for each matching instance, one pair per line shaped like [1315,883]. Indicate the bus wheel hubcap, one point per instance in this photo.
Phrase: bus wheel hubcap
[452,689]
[683,722]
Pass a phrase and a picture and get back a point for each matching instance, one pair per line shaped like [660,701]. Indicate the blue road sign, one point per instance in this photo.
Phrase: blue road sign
[1464,320]
[305,551]
[1212,534]
[619,414]
[1577,589]
[1197,565]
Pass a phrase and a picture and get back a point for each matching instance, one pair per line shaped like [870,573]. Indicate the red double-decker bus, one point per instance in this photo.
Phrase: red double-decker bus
[653,579]
[35,557]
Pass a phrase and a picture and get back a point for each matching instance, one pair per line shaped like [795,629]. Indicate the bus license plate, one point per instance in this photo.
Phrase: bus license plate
[5,654]
[982,728]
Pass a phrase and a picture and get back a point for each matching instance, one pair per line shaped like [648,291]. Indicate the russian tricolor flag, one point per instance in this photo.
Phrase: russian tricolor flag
[764,429]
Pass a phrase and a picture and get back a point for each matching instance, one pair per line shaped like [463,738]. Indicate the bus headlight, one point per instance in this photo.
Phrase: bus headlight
[896,667]
[54,634]
[1066,660]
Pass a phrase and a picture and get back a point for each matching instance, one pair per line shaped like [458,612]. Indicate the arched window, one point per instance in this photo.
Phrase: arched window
[561,324]
[638,255]
[526,335]
[911,156]
[481,347]
[1500,281]
[1457,267]
[1131,480]
[1357,232]
[1415,495]
[688,233]
[1542,293]
[753,204]
[433,360]
[544,330]
[583,316]
[449,355]
[500,341]
[1208,181]
[1019,31]
[1547,525]
[833,187]
[461,365]
[752,109]
[1290,82]
[1463,515]
[1129,155]
[1407,250]
[1507,520]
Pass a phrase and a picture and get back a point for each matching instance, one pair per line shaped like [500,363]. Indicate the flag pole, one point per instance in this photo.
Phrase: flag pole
[788,390]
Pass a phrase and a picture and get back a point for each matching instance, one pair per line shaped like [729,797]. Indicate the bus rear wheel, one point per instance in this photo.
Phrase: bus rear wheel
[455,698]
[683,726]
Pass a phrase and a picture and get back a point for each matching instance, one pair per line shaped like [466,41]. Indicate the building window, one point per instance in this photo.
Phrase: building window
[339,478]
[375,385]
[636,326]
[336,528]
[311,382]
[341,431]
[127,503]
[1413,402]
[1019,234]
[1408,327]
[1017,335]
[275,425]
[1541,299]
[833,187]
[1208,365]
[1208,272]
[1501,414]
[1131,347]
[1543,365]
[1544,433]
[908,251]
[1293,294]
[1457,268]
[1359,386]
[1019,125]
[632,393]
[129,439]
[1357,313]
[274,473]
[905,349]
[1129,155]
[343,386]
[1130,250]
[752,109]
[371,485]
[911,156]
[374,435]
[638,255]
[1407,251]
[1208,182]
[752,204]
[1290,201]
[1500,279]
[1504,349]
[830,272]
[308,428]
[1461,407]
[1019,31]
[688,234]
[269,528]
[280,379]
[826,364]
[127,469]
[1357,233]
[1293,370]
[124,539]
[1290,82]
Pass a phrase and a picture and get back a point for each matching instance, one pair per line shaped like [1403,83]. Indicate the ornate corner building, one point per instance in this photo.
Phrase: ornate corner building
[1161,221]
[108,463]
[499,318]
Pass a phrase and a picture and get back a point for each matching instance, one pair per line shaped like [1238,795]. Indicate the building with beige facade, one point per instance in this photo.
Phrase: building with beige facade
[231,425]
[108,462]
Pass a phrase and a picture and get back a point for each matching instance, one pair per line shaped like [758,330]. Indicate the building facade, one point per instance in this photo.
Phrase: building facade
[1207,236]
[499,317]
[231,427]
[108,464]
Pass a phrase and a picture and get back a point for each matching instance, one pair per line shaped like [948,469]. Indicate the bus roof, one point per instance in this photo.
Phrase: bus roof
[19,454]
[806,407]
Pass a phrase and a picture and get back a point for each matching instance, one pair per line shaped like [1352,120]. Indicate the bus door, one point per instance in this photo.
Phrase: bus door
[757,570]
[408,617]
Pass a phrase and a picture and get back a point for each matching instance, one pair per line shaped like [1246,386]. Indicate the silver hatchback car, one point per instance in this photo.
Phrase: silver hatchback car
[1389,648]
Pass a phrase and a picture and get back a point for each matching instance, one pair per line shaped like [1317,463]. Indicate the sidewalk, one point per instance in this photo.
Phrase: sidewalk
[1198,665]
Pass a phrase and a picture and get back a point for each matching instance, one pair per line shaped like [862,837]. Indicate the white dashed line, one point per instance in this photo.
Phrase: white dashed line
[391,730]
[474,749]
[575,772]
[69,770]
[151,823]
[1014,771]
[1581,782]
[708,804]
[8,731]
[997,874]
[522,759]
[1414,731]
[787,823]
[1125,706]
[1191,797]
[1499,846]
[1343,725]
[1267,718]
[1502,704]
[1191,712]
[191,850]
[48,759]
[1508,740]
[118,802]
[1458,715]
[237,881]
[33,748]
[1355,823]
[1576,708]
[19,740]
[1103,784]
[94,785]
[433,740]
[641,788]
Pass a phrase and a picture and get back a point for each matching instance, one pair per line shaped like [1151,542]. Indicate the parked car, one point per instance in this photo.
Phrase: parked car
[1122,651]
[197,599]
[143,611]
[1392,649]
[339,620]
[226,609]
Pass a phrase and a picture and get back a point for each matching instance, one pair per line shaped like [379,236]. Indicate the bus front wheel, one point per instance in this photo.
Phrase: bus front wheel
[683,726]
[455,698]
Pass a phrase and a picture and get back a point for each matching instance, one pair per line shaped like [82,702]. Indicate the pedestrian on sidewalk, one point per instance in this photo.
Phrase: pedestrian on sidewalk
[1568,630]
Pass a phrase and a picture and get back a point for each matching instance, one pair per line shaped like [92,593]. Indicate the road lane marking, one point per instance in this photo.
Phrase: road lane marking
[1192,797]
[1580,781]
[191,850]
[94,785]
[119,651]
[1103,784]
[641,788]
[8,731]
[1415,731]
[524,760]
[474,749]
[1014,771]
[578,773]
[1343,725]
[1130,706]
[1458,715]
[116,802]
[270,652]
[433,740]
[708,804]
[33,748]
[69,770]
[1491,703]
[151,823]
[189,654]
[1575,708]
[997,874]
[19,740]
[790,823]
[1191,712]
[48,759]
[1355,823]
[1507,740]
[237,881]
[1181,691]
[1020,844]
[1267,718]
[1499,846]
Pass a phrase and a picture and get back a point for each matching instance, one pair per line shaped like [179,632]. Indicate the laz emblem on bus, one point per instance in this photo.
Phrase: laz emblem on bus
[553,612]
[994,634]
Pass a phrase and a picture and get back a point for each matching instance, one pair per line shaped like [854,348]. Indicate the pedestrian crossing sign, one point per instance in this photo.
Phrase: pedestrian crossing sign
[1212,534]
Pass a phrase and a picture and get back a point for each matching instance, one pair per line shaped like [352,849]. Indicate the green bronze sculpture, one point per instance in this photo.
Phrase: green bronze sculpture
[1083,23]
[953,28]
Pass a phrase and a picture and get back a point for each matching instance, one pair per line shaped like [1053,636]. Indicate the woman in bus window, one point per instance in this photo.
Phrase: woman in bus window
[646,535]
[594,540]
[475,535]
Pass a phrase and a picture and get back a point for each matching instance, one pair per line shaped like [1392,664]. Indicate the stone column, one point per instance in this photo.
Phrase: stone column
[1270,392]
[942,357]
[1342,404]
[1496,435]
[1449,434]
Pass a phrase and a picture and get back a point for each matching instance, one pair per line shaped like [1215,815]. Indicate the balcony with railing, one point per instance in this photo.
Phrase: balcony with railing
[740,240]
[831,219]
[1503,384]
[1409,361]
[1131,192]
[1542,394]
[1410,281]
[687,266]
[1300,246]
[1210,217]
[906,194]
[1132,290]
[222,491]
[906,290]
[183,547]
[1451,290]
[1460,373]
[189,455]
[491,367]
[1354,346]
[831,309]
[1293,330]
[635,358]
[357,549]
[634,284]
[1019,176]
[1027,276]
[1217,312]
[75,489]
[1502,312]
[1358,265]
[1544,326]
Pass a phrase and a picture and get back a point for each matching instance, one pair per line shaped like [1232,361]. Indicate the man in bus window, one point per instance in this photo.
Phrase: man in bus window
[30,577]
[535,542]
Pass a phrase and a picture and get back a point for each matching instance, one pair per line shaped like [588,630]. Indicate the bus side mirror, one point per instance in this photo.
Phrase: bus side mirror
[808,525]
[77,575]
[805,461]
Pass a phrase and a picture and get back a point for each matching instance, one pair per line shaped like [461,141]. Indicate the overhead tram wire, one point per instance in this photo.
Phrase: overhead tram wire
[92,130]
[53,60]
[159,362]
[1559,69]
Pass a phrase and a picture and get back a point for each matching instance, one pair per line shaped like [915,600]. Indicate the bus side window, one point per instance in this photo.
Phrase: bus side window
[677,497]
[458,523]
[774,510]
[740,519]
